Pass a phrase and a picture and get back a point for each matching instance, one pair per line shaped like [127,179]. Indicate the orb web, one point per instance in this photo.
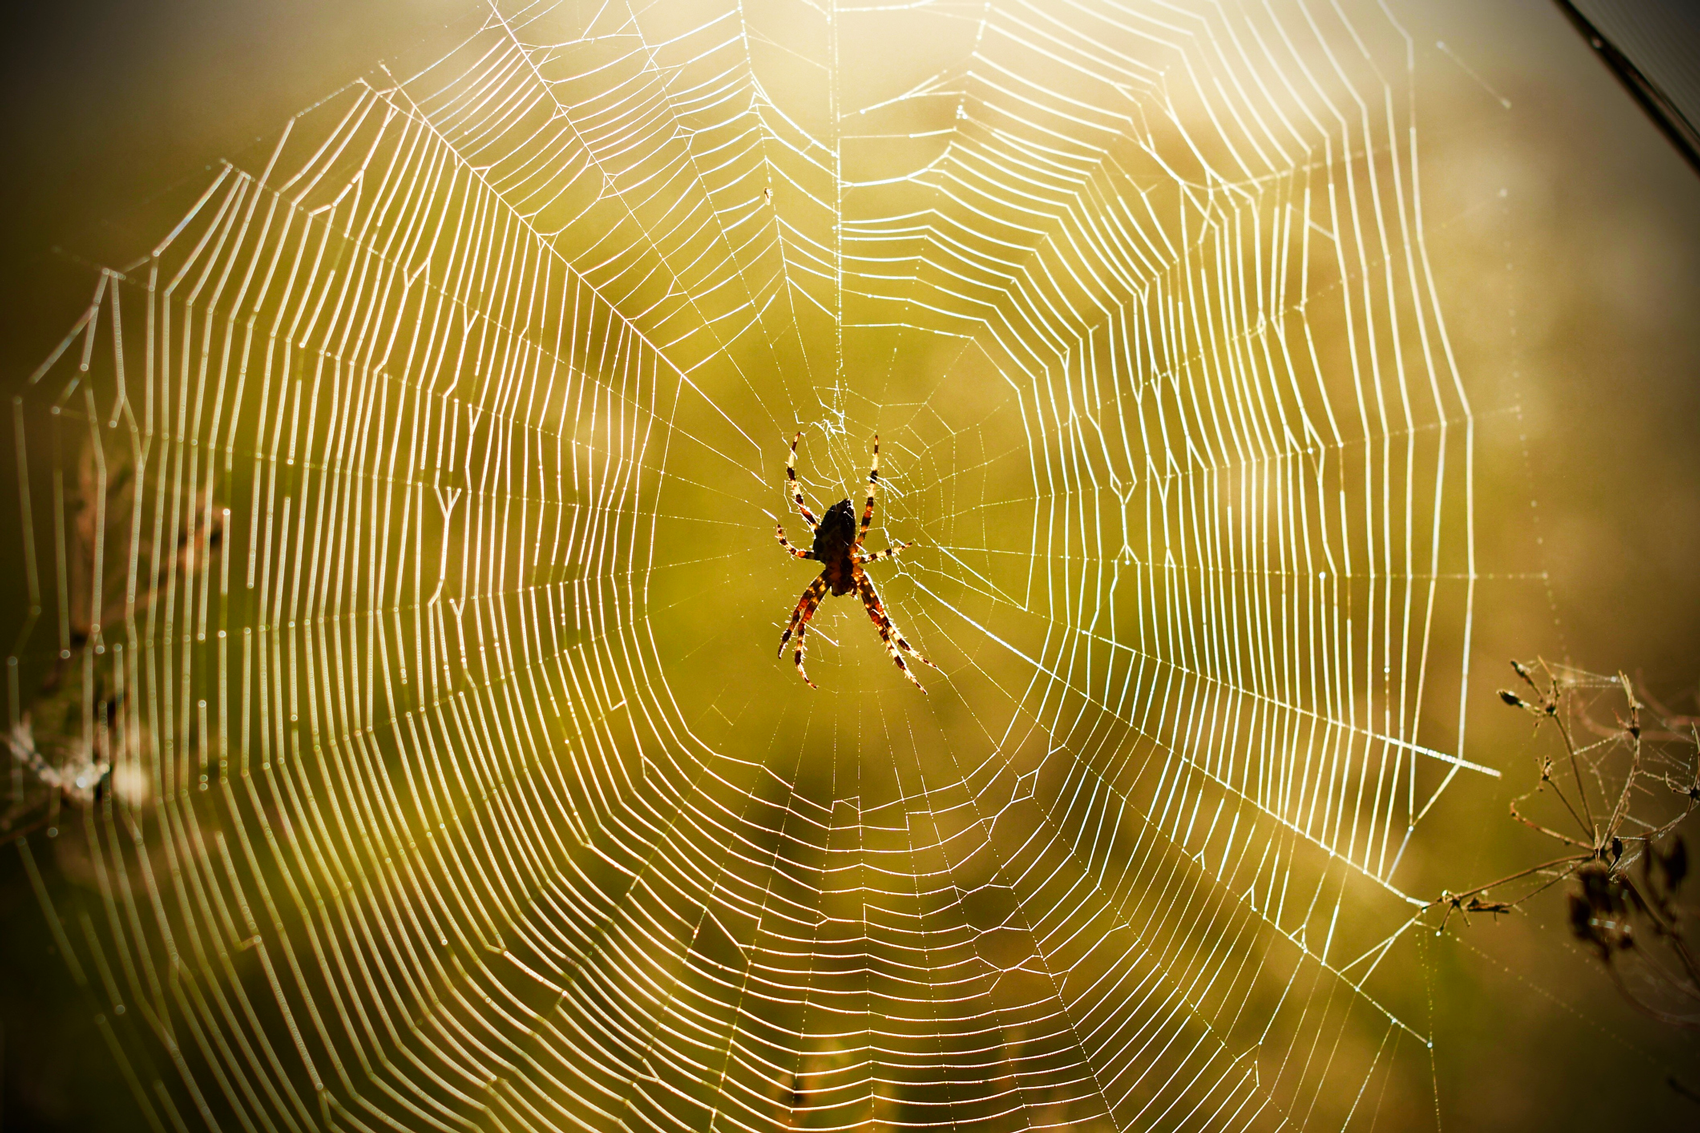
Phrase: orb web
[413,587]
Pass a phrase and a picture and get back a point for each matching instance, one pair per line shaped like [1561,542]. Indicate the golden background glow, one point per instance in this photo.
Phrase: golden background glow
[1244,376]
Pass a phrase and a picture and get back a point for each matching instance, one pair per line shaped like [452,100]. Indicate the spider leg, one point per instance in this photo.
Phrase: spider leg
[806,606]
[873,483]
[798,552]
[881,556]
[794,489]
[889,633]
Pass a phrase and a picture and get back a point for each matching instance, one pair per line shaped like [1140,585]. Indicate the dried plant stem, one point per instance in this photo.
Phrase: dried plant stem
[1623,917]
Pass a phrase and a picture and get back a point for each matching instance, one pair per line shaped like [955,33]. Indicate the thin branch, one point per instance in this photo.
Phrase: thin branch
[1574,859]
[1576,772]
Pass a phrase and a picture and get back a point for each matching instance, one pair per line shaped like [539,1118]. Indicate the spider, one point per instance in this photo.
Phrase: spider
[838,547]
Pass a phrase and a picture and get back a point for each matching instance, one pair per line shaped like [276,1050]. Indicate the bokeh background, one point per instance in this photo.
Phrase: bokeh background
[1565,237]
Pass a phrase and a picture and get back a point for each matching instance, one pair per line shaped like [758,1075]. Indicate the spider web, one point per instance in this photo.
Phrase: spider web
[415,584]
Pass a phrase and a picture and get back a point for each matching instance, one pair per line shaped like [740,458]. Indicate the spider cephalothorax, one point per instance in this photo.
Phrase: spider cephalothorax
[838,548]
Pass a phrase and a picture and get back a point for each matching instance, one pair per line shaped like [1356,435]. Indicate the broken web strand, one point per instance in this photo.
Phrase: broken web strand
[498,266]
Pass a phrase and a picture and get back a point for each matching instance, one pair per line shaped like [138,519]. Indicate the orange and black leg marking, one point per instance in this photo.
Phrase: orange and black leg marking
[881,556]
[873,484]
[796,551]
[795,489]
[890,635]
[806,606]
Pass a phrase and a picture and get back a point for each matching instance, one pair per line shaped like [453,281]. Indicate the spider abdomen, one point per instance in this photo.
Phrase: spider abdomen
[834,539]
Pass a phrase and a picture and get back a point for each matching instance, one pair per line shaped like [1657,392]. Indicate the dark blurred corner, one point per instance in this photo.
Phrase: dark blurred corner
[1660,39]
[112,106]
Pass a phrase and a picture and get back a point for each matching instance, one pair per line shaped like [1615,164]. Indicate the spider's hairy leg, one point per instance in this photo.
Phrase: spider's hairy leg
[890,635]
[794,489]
[798,552]
[880,556]
[806,606]
[873,483]
[881,618]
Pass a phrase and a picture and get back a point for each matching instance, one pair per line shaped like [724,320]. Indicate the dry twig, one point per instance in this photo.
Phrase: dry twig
[1626,861]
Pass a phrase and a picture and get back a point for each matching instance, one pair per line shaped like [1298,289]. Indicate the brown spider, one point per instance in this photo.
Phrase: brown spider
[838,547]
